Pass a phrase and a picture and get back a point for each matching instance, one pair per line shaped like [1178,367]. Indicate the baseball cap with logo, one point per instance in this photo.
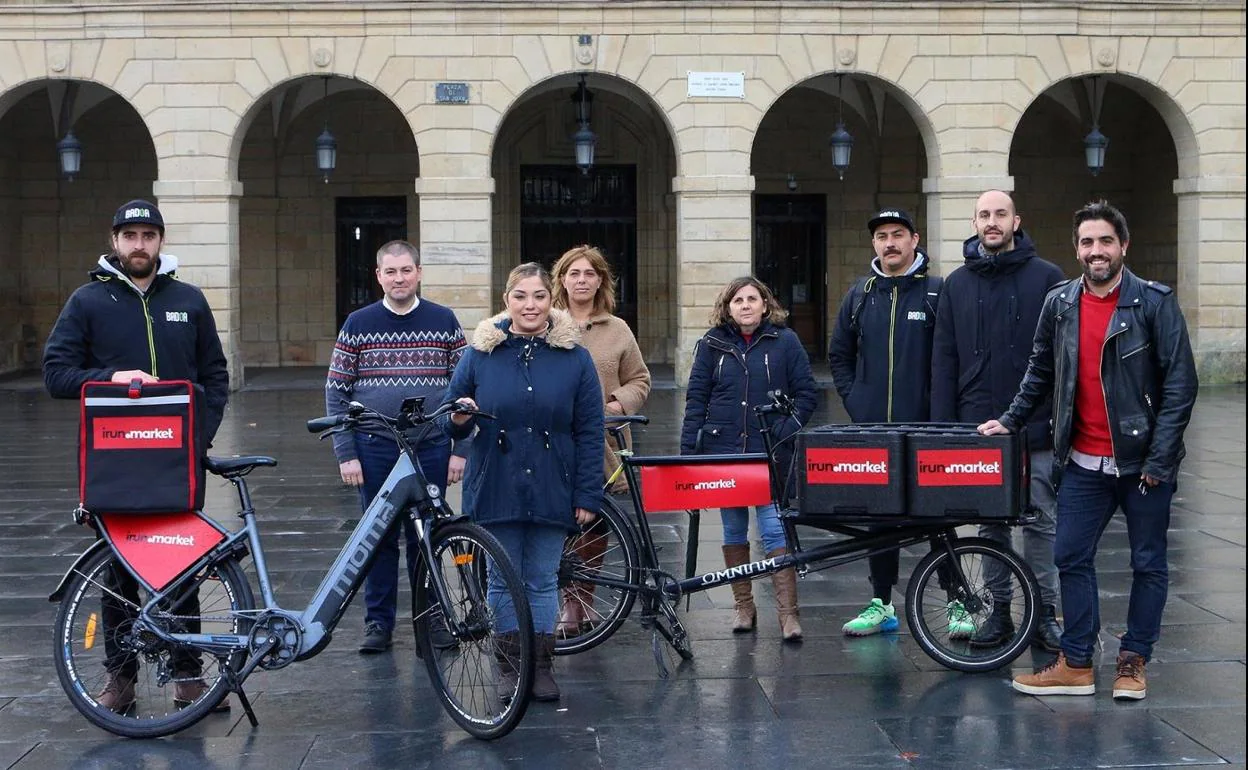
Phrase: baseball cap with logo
[885,216]
[138,212]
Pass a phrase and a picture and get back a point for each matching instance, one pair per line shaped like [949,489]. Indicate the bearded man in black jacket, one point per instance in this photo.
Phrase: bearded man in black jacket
[984,329]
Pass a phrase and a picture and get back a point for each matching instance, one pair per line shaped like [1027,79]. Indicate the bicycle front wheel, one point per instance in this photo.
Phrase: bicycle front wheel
[591,610]
[477,640]
[156,688]
[949,600]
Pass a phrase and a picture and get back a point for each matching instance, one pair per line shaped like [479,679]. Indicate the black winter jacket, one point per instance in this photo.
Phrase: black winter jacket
[1147,371]
[881,349]
[729,378]
[108,325]
[984,331]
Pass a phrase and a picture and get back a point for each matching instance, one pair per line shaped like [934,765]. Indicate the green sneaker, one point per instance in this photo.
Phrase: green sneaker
[875,617]
[960,625]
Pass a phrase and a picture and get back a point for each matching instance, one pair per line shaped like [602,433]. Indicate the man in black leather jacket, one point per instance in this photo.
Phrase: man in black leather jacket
[1113,352]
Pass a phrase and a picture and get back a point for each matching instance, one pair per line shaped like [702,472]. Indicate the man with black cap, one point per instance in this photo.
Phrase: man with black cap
[984,333]
[880,355]
[135,320]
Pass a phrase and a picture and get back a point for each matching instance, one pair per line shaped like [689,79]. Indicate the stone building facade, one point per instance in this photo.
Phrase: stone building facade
[454,122]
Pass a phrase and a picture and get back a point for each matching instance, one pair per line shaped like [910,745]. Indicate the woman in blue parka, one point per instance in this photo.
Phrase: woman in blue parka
[535,472]
[747,353]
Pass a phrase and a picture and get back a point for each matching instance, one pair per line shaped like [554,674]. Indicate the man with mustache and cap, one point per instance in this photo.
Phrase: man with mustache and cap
[135,321]
[984,332]
[880,355]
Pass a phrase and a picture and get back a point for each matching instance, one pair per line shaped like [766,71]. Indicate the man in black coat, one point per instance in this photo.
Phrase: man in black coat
[984,330]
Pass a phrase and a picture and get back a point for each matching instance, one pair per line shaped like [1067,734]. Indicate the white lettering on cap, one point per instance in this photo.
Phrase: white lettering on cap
[888,214]
[138,213]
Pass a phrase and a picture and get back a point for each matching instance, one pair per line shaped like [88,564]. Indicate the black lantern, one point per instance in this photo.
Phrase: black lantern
[326,146]
[1094,145]
[583,140]
[70,151]
[841,141]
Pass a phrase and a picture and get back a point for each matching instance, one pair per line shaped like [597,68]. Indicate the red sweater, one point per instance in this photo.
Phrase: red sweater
[1091,419]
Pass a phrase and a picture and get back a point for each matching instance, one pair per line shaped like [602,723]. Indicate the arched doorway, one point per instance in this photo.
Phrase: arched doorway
[307,239]
[544,204]
[53,230]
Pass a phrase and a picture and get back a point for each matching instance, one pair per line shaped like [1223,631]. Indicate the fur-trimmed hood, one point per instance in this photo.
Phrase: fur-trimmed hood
[562,332]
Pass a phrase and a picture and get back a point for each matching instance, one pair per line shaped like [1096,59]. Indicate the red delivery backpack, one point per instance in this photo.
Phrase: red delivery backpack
[141,447]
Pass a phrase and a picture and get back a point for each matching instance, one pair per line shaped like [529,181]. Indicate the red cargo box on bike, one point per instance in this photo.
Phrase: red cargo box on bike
[959,473]
[690,482]
[141,447]
[850,471]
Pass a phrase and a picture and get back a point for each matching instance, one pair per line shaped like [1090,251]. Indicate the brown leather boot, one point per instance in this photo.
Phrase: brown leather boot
[785,584]
[506,654]
[118,693]
[545,689]
[745,618]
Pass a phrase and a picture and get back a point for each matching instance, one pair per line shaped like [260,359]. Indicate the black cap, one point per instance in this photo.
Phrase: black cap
[886,216]
[138,212]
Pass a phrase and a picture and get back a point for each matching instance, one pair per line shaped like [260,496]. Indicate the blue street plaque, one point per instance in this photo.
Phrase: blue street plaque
[451,93]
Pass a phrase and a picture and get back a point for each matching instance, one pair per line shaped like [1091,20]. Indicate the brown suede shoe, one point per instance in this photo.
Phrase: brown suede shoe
[118,694]
[1129,682]
[187,691]
[1058,678]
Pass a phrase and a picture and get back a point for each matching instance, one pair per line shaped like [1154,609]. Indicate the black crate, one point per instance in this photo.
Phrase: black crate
[958,473]
[849,471]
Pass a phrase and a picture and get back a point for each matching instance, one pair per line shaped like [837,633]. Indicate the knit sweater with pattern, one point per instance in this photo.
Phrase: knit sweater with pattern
[381,358]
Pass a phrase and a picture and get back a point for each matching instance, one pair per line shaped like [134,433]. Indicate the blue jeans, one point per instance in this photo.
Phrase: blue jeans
[377,455]
[1086,501]
[737,527]
[535,549]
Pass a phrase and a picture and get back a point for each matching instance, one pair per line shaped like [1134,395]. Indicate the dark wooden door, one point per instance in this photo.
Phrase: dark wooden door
[363,226]
[560,208]
[790,256]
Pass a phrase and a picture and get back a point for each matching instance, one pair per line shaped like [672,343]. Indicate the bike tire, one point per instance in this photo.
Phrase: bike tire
[605,608]
[931,614]
[468,676]
[80,654]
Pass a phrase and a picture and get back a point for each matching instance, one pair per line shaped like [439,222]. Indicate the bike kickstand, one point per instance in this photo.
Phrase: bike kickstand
[243,699]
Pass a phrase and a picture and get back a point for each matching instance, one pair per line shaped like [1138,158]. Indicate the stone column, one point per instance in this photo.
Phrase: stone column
[1211,272]
[950,211]
[201,229]
[455,244]
[714,217]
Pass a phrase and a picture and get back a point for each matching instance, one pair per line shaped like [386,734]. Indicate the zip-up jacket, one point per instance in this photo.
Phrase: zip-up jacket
[109,325]
[729,378]
[1148,376]
[880,353]
[984,329]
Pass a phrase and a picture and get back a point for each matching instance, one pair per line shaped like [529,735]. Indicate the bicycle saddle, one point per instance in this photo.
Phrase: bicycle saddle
[236,466]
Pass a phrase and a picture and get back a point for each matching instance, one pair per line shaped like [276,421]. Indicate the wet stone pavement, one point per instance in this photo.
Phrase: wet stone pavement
[745,701]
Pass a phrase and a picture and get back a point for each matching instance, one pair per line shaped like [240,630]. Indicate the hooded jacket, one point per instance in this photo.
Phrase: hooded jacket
[730,377]
[109,325]
[881,348]
[541,457]
[984,331]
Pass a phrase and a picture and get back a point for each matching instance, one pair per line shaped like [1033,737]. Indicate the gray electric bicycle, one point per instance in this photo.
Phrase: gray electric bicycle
[182,635]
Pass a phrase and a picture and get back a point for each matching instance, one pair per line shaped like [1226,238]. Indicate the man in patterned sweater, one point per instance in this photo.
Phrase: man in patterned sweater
[397,347]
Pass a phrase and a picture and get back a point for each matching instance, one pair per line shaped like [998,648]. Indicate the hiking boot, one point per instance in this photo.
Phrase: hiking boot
[545,689]
[118,694]
[996,630]
[745,614]
[187,691]
[874,618]
[506,654]
[960,624]
[1058,678]
[1129,678]
[376,639]
[1048,636]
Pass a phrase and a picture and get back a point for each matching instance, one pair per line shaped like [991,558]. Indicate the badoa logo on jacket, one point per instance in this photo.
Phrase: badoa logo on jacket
[137,432]
[959,467]
[866,466]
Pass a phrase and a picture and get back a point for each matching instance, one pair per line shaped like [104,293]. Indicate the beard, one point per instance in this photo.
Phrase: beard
[1102,275]
[141,267]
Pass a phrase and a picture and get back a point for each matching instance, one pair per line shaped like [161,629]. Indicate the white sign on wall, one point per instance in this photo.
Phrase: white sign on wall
[724,84]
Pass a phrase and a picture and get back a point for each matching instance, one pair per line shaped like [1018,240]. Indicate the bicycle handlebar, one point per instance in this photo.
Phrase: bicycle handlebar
[356,412]
[613,420]
[781,403]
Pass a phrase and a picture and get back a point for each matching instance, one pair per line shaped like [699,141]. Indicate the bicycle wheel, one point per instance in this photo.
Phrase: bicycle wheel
[483,680]
[604,549]
[947,601]
[173,686]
